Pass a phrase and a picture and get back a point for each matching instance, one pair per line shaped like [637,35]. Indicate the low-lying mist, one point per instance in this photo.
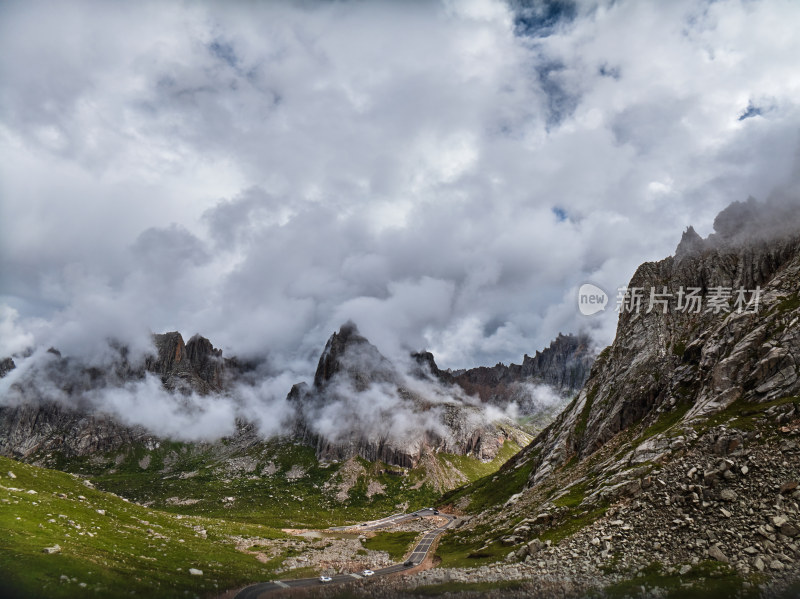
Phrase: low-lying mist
[370,397]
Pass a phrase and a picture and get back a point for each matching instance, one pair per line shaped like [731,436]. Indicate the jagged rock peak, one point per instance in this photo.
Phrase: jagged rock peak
[298,392]
[171,350]
[205,359]
[425,366]
[196,365]
[744,223]
[352,355]
[349,366]
[566,343]
[199,350]
[564,364]
[6,366]
[691,244]
[425,358]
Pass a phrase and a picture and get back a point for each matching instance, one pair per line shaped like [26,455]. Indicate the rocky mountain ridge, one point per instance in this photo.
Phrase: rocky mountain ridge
[563,366]
[194,366]
[698,362]
[35,422]
[376,427]
[38,422]
[682,445]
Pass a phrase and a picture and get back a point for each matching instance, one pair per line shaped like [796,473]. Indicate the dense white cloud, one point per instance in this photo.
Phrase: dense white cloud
[446,175]
[143,400]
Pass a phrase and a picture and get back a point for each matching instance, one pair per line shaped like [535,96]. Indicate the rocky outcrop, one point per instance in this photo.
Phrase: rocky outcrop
[386,418]
[682,445]
[206,361]
[698,362]
[563,366]
[352,357]
[30,430]
[37,420]
[170,355]
[195,366]
[691,244]
[6,366]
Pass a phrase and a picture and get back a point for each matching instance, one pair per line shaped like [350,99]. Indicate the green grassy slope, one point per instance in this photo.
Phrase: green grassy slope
[181,515]
[128,550]
[283,485]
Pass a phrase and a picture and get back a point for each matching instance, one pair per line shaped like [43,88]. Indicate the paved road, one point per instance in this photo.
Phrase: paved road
[417,555]
[382,523]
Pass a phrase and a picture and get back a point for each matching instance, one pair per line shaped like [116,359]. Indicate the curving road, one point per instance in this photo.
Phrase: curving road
[417,555]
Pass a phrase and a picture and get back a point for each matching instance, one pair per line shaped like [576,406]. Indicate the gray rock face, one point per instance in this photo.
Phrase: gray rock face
[171,353]
[6,366]
[29,429]
[698,363]
[564,366]
[350,369]
[351,356]
[195,366]
[691,244]
[206,361]
[37,423]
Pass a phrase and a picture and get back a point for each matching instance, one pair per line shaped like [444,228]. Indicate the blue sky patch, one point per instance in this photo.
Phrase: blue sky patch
[538,18]
[750,112]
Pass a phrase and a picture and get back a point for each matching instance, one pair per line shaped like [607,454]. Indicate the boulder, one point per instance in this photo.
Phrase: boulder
[716,553]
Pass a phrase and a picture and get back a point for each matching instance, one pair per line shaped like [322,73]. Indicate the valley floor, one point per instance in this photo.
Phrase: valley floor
[716,519]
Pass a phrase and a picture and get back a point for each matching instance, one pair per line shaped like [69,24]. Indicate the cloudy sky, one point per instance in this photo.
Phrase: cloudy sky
[446,174]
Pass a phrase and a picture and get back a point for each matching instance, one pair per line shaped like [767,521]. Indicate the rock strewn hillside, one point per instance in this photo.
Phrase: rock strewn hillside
[709,523]
[682,446]
[698,363]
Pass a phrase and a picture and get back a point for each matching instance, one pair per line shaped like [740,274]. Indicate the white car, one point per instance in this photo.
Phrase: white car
[367,573]
[324,578]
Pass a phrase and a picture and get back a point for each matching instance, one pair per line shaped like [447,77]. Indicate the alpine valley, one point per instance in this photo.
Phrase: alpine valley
[665,465]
